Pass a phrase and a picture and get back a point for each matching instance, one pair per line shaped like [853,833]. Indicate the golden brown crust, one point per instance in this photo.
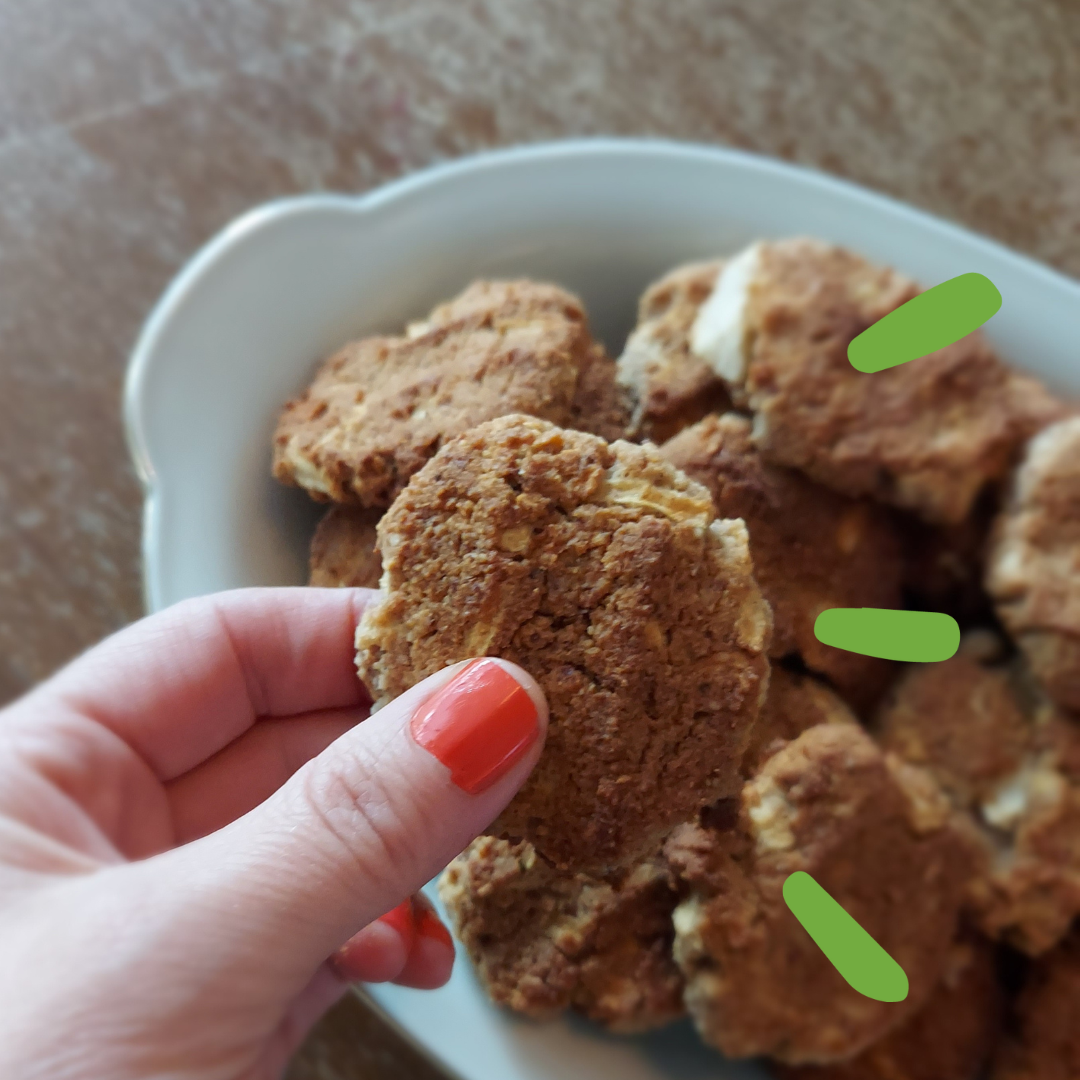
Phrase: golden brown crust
[961,721]
[542,942]
[1009,763]
[670,387]
[794,703]
[812,549]
[1034,567]
[926,436]
[343,551]
[952,1037]
[876,835]
[381,407]
[604,573]
[600,406]
[1046,1042]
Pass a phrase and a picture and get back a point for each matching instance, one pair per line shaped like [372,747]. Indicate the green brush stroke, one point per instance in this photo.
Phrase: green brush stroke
[864,964]
[913,636]
[930,321]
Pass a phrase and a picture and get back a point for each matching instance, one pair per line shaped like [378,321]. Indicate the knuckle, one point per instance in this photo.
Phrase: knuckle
[363,804]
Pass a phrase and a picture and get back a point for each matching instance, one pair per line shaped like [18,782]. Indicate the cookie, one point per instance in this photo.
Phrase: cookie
[343,551]
[1010,764]
[871,831]
[543,942]
[605,573]
[926,436]
[1034,566]
[952,1037]
[795,702]
[381,407]
[668,385]
[600,406]
[812,549]
[944,564]
[1045,1044]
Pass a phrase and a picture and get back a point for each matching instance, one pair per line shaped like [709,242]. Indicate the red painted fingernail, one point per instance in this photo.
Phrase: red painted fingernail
[429,925]
[403,920]
[478,725]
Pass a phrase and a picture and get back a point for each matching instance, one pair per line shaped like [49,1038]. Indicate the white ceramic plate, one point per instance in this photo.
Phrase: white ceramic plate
[243,326]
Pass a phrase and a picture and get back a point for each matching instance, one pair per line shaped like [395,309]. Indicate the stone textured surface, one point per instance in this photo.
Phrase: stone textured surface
[131,131]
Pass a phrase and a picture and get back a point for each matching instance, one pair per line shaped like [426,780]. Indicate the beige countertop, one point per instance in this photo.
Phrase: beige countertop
[131,131]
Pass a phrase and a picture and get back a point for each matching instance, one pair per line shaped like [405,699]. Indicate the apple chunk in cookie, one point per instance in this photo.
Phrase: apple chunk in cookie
[926,436]
[606,574]
[1033,572]
[668,385]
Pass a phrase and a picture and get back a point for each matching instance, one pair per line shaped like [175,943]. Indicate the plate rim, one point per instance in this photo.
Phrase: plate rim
[269,214]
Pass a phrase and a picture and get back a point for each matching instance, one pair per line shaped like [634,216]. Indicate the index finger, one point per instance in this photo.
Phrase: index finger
[180,685]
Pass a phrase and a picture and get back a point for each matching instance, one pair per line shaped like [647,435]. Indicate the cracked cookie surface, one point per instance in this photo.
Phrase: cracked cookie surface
[871,831]
[542,942]
[605,573]
[926,436]
[381,407]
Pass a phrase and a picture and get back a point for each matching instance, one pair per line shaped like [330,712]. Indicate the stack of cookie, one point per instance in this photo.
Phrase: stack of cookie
[653,539]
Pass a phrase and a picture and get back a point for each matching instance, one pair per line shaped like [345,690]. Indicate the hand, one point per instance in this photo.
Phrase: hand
[194,822]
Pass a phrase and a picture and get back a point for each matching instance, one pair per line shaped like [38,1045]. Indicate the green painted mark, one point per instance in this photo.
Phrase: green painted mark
[912,636]
[928,322]
[864,964]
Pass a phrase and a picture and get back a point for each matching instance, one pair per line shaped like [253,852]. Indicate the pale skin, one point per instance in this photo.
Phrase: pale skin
[193,820]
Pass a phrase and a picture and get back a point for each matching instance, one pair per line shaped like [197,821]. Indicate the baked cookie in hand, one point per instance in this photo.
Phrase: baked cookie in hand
[606,574]
[381,407]
[876,835]
[1033,574]
[668,385]
[543,942]
[1009,762]
[926,436]
[812,548]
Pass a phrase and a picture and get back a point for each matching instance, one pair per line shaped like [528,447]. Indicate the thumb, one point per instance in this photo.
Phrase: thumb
[365,824]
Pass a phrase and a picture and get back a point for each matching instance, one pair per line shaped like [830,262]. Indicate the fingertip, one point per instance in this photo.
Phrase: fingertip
[430,964]
[378,953]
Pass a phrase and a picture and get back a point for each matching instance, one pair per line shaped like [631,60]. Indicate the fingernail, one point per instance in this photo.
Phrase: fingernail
[403,920]
[429,925]
[478,725]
